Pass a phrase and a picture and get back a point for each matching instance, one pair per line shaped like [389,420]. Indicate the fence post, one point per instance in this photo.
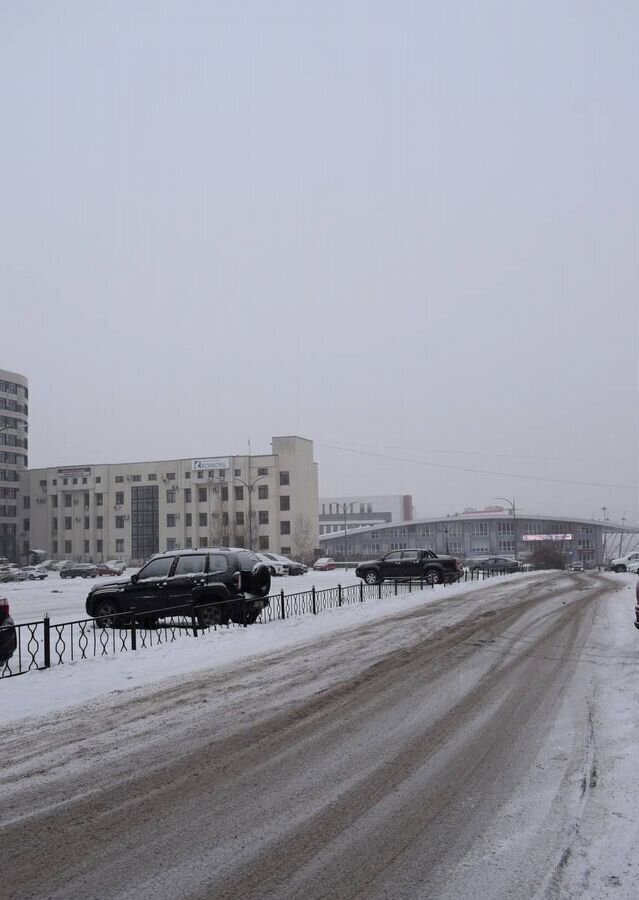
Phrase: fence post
[282,604]
[361,592]
[47,641]
[244,612]
[339,594]
[313,600]
[410,585]
[134,630]
[193,619]
[395,587]
[379,590]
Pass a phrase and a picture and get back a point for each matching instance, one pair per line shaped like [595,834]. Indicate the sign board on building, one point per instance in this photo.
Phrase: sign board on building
[546,537]
[216,462]
[75,471]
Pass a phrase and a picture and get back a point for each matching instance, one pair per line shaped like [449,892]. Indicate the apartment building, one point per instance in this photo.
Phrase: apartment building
[132,510]
[14,444]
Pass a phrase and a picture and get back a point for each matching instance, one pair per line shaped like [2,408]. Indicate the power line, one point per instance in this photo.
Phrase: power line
[423,462]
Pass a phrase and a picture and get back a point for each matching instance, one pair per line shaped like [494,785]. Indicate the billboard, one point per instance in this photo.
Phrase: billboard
[546,537]
[212,462]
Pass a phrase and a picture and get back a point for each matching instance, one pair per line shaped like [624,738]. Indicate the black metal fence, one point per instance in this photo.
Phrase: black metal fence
[43,644]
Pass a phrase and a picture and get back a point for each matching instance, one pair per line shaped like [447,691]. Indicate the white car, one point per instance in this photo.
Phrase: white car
[275,566]
[628,563]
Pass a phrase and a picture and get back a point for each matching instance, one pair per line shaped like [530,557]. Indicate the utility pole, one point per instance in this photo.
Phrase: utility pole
[514,512]
[343,507]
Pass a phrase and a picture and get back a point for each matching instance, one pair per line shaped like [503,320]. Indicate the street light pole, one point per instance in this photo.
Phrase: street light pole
[250,485]
[514,509]
[344,507]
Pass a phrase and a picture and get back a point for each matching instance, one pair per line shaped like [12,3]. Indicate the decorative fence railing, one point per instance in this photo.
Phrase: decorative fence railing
[43,644]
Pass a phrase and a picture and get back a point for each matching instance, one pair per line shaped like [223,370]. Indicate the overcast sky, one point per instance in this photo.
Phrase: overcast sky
[406,229]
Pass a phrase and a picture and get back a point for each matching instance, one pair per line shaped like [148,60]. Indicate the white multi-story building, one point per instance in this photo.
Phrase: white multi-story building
[14,417]
[132,510]
[361,510]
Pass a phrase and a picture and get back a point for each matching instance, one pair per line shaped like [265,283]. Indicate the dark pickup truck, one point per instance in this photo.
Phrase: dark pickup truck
[422,564]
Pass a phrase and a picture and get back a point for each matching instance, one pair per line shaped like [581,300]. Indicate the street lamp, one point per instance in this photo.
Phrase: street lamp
[344,507]
[512,505]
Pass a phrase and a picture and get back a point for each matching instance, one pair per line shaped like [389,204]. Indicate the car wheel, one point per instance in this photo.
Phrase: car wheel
[210,616]
[107,611]
[620,568]
[432,576]
[371,577]
[32,577]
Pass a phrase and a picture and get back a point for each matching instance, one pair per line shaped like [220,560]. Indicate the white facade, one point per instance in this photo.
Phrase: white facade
[361,511]
[131,510]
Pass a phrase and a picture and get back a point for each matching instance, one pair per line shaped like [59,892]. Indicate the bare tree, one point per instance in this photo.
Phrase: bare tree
[304,539]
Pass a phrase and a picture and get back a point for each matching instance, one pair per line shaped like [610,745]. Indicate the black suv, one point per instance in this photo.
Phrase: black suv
[226,585]
[422,564]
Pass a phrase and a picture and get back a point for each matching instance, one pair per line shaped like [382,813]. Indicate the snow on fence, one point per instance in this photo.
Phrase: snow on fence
[42,644]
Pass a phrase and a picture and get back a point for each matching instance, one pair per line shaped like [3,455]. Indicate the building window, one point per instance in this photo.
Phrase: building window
[119,479]
[98,479]
[285,503]
[203,541]
[54,523]
[99,522]
[136,478]
[204,520]
[98,545]
[504,528]
[262,472]
[68,523]
[286,551]
[187,495]
[239,492]
[54,547]
[87,499]
[237,472]
[119,521]
[188,543]
[54,501]
[201,495]
[145,521]
[86,547]
[285,527]
[99,499]
[170,520]
[188,519]
[263,517]
[225,518]
[119,498]
[170,496]
[225,493]
[26,502]
[480,529]
[284,478]
[26,524]
[170,476]
[187,475]
[87,523]
[263,542]
[239,518]
[67,546]
[506,546]
[369,507]
[68,500]
[152,477]
[170,543]
[119,545]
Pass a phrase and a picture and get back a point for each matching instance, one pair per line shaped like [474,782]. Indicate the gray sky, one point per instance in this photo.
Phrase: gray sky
[403,228]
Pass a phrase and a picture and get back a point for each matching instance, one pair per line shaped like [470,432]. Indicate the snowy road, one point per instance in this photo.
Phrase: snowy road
[479,746]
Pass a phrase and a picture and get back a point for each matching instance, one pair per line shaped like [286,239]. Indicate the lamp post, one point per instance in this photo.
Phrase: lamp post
[344,507]
[250,485]
[514,509]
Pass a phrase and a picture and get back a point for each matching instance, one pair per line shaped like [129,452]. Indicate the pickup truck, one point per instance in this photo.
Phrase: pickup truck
[422,564]
[629,563]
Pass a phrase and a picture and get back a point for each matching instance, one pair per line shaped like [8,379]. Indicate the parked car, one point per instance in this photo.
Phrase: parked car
[496,564]
[628,563]
[414,563]
[294,568]
[225,585]
[324,564]
[12,573]
[108,569]
[118,564]
[79,570]
[59,564]
[35,572]
[576,566]
[275,566]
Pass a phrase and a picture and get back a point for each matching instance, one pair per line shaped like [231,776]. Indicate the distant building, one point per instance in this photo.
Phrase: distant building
[14,444]
[132,510]
[362,510]
[489,532]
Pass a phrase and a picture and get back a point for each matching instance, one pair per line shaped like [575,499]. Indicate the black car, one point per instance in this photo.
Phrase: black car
[403,564]
[225,585]
[79,570]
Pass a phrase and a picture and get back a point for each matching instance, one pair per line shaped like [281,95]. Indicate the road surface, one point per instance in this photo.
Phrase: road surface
[406,758]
